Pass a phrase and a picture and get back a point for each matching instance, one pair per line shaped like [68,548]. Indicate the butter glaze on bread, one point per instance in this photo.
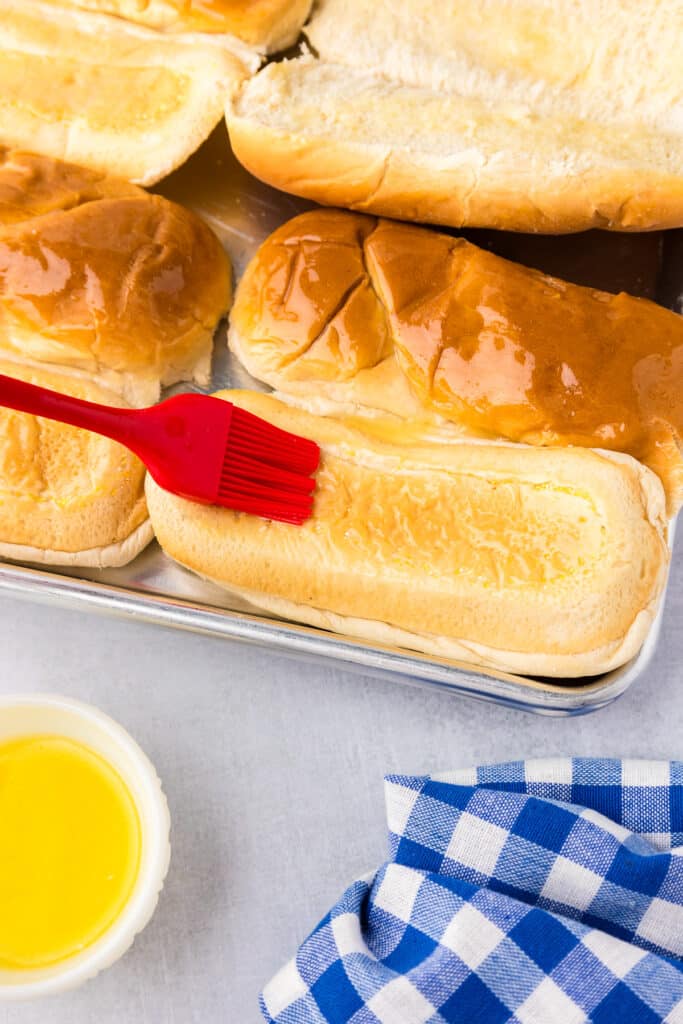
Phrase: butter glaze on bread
[347,314]
[110,95]
[269,25]
[541,561]
[100,279]
[31,185]
[527,115]
[67,496]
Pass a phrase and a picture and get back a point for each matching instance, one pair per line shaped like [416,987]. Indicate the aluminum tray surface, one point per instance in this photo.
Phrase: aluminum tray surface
[243,212]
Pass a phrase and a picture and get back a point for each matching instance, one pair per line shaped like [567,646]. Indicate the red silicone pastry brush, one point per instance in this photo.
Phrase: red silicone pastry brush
[196,446]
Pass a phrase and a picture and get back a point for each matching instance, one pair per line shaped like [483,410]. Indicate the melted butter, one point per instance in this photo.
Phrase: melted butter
[355,339]
[124,298]
[314,302]
[105,96]
[393,430]
[501,348]
[496,348]
[31,185]
[70,844]
[436,523]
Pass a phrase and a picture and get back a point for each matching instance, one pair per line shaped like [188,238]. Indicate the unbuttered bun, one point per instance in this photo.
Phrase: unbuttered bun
[526,115]
[100,279]
[346,315]
[537,561]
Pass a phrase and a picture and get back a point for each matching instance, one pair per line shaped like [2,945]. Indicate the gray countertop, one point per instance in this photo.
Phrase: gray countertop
[273,772]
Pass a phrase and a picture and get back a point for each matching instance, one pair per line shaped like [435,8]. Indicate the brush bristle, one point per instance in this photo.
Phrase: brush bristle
[250,435]
[267,471]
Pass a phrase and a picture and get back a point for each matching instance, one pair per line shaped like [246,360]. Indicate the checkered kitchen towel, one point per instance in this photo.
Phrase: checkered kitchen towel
[536,892]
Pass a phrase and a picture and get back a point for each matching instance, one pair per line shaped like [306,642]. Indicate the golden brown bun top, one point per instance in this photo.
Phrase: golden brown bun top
[31,185]
[100,277]
[496,347]
[308,295]
[270,24]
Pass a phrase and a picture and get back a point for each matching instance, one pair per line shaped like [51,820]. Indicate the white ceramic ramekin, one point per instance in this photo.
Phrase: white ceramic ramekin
[22,715]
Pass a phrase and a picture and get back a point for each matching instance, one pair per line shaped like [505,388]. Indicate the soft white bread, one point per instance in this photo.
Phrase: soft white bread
[268,25]
[100,279]
[538,561]
[349,315]
[67,496]
[528,115]
[110,95]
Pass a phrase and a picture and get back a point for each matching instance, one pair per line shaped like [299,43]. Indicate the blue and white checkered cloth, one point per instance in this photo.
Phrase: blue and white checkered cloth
[535,892]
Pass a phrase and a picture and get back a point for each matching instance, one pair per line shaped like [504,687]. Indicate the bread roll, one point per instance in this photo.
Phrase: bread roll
[67,496]
[269,25]
[110,95]
[31,185]
[540,561]
[527,115]
[100,279]
[348,314]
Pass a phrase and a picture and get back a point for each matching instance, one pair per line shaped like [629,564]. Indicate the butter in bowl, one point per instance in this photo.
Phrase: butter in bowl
[85,843]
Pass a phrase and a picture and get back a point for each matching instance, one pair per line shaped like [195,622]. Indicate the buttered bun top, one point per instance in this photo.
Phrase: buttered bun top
[266,24]
[31,185]
[347,313]
[102,280]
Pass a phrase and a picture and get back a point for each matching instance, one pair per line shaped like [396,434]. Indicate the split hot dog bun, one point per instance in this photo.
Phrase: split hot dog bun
[110,95]
[347,315]
[67,496]
[526,115]
[268,25]
[534,560]
[100,279]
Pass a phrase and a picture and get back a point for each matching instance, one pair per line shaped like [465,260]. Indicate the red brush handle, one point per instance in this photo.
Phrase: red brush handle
[118,424]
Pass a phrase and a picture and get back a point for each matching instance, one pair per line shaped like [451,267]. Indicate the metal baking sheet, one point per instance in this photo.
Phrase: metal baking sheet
[243,212]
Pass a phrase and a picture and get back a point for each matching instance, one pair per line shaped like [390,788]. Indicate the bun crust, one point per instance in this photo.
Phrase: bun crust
[100,279]
[268,25]
[542,561]
[106,293]
[379,317]
[67,496]
[113,96]
[477,113]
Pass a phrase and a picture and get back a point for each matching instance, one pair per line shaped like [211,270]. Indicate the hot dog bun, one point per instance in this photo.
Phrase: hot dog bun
[531,560]
[268,25]
[110,95]
[100,279]
[551,115]
[346,314]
